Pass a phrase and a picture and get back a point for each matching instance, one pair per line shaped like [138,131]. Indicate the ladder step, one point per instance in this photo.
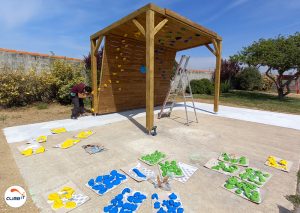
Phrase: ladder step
[188,96]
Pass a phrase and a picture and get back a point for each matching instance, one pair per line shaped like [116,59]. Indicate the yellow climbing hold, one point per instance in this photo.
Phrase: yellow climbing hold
[117,57]
[109,81]
[41,139]
[27,152]
[123,41]
[57,204]
[121,54]
[58,130]
[122,70]
[105,85]
[53,196]
[68,143]
[283,162]
[126,45]
[84,134]
[120,88]
[39,150]
[117,82]
[92,110]
[114,73]
[98,89]
[118,49]
[124,59]
[70,205]
[119,65]
[125,35]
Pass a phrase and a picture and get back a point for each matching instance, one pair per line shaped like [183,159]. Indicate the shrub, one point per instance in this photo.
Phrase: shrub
[202,86]
[267,83]
[66,75]
[249,79]
[225,87]
[20,87]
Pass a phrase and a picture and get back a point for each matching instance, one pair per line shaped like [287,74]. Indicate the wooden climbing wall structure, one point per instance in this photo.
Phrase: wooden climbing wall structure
[123,80]
[139,54]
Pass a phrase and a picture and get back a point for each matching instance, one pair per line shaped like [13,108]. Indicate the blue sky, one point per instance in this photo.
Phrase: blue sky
[64,26]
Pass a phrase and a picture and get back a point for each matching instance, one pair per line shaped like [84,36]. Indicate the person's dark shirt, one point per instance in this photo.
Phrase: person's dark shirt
[78,88]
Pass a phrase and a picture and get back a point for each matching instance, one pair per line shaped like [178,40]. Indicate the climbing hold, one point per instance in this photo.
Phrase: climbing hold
[197,34]
[118,49]
[139,173]
[125,35]
[117,57]
[126,190]
[27,152]
[126,45]
[91,182]
[124,59]
[57,204]
[173,196]
[178,38]
[154,196]
[41,149]
[70,204]
[157,205]
[109,81]
[117,82]
[143,69]
[120,89]
[121,54]
[119,65]
[105,85]
[41,139]
[122,70]
[114,73]
[123,41]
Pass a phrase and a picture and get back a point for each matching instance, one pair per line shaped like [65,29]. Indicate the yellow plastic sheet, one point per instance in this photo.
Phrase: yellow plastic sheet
[58,130]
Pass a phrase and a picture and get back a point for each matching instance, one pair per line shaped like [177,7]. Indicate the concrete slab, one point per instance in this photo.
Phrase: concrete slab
[194,144]
[26,132]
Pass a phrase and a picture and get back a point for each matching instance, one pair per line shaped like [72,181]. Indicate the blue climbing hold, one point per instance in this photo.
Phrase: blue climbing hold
[126,205]
[143,69]
[180,210]
[161,210]
[99,179]
[121,177]
[105,177]
[114,210]
[106,181]
[97,187]
[107,208]
[126,190]
[154,196]
[114,172]
[173,196]
[91,182]
[109,185]
[114,202]
[116,182]
[139,173]
[130,199]
[157,205]
[142,197]
[177,204]
[165,203]
[171,202]
[120,203]
[119,197]
[171,209]
[102,189]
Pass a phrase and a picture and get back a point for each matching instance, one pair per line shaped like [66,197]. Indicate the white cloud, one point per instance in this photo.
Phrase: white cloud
[223,11]
[14,12]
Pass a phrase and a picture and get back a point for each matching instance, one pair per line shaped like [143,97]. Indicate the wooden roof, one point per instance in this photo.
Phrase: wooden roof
[178,33]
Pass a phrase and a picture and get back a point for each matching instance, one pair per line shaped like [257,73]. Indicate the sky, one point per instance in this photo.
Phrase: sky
[64,26]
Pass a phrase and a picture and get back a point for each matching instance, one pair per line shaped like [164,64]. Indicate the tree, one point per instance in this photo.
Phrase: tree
[280,54]
[88,65]
[229,69]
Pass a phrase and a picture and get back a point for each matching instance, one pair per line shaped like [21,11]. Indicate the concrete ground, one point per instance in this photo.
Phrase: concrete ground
[203,192]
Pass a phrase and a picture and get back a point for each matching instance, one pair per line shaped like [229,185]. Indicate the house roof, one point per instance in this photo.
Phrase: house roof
[178,33]
[39,54]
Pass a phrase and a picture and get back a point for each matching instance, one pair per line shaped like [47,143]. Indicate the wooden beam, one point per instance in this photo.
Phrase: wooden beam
[217,51]
[94,75]
[160,25]
[98,45]
[101,74]
[217,76]
[149,69]
[139,26]
[211,49]
[122,21]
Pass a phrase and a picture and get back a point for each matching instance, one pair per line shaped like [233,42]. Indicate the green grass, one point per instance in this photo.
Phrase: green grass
[3,117]
[256,100]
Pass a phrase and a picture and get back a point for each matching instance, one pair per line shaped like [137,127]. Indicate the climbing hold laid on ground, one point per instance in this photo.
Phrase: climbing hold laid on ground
[39,150]
[84,134]
[70,204]
[58,130]
[153,158]
[41,139]
[27,152]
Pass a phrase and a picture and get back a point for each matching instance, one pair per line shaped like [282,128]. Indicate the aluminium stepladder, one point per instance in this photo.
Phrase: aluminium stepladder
[178,87]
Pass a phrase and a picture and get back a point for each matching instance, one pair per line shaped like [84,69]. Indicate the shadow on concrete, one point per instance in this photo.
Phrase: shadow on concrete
[282,209]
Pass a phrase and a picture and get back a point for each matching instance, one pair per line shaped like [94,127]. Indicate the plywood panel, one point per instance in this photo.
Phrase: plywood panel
[123,85]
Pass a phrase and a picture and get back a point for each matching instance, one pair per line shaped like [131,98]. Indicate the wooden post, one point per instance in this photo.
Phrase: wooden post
[218,50]
[94,75]
[150,69]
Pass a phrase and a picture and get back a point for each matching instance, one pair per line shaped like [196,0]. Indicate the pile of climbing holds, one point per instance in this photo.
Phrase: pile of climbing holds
[107,182]
[255,176]
[153,158]
[62,198]
[170,169]
[172,204]
[127,201]
[243,189]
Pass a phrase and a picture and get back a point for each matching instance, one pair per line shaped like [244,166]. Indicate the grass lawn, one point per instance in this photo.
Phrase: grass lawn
[255,100]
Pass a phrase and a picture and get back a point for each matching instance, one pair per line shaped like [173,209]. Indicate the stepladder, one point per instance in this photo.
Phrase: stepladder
[180,89]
